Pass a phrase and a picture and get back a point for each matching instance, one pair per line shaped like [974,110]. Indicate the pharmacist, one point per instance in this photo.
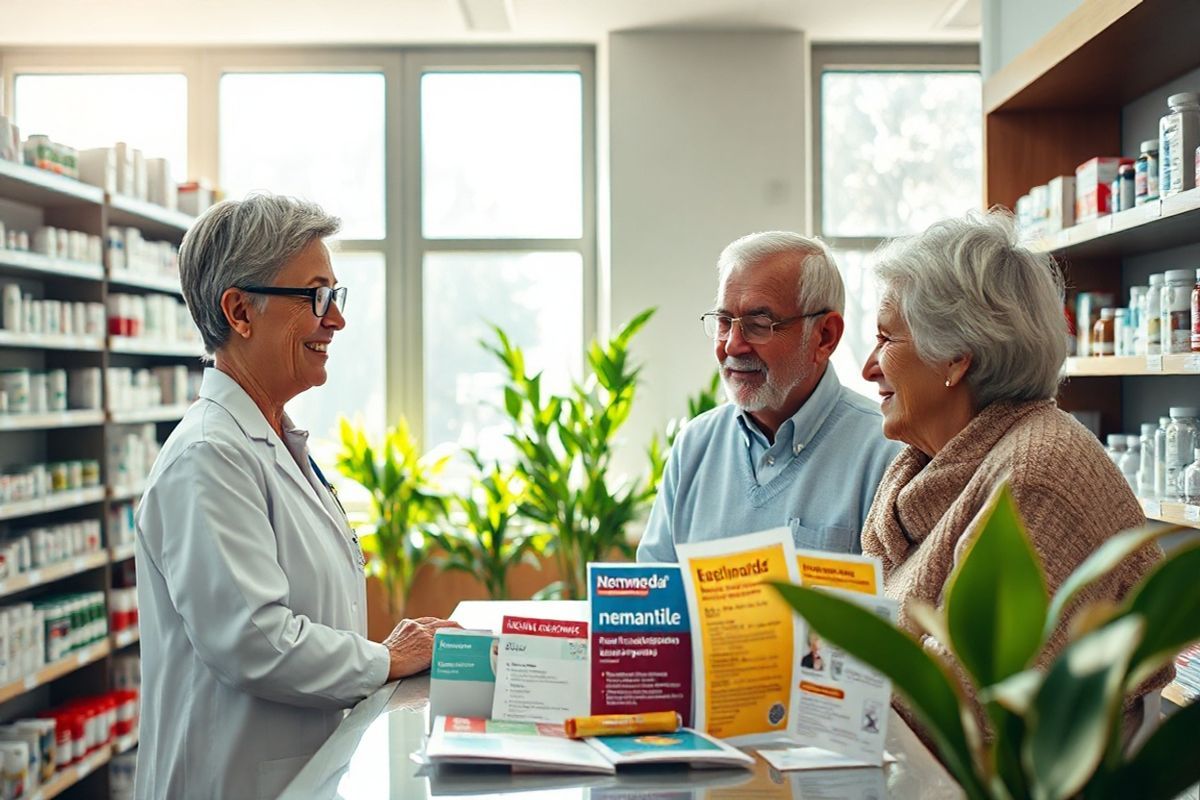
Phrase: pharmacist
[250,582]
[793,447]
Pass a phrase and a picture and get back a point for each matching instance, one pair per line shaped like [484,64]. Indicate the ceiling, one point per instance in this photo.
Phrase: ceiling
[290,22]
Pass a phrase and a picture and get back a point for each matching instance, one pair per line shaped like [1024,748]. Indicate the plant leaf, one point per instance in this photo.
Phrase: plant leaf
[1161,767]
[1100,563]
[1072,716]
[1167,598]
[914,672]
[995,616]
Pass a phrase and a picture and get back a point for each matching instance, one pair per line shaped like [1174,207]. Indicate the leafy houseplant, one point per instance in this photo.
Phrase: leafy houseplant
[564,448]
[1055,734]
[483,535]
[404,502]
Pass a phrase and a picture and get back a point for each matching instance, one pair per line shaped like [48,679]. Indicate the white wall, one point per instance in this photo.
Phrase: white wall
[707,142]
[1011,26]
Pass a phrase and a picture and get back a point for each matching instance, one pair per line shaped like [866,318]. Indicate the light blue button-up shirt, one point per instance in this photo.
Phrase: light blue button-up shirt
[818,478]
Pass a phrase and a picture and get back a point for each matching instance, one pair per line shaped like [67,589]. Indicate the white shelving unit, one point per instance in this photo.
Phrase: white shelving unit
[70,435]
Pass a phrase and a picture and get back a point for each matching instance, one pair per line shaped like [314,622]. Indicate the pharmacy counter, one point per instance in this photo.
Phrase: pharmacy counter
[369,756]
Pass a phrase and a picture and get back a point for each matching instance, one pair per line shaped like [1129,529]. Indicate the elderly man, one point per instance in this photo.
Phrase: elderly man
[792,448]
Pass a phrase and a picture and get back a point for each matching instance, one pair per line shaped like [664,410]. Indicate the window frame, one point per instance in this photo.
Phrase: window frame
[871,58]
[403,246]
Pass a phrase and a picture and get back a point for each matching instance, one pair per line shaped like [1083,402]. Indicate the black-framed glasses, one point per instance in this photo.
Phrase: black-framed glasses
[321,296]
[756,328]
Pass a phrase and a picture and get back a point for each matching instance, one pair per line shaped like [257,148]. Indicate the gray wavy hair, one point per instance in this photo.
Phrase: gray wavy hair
[966,286]
[243,243]
[819,282]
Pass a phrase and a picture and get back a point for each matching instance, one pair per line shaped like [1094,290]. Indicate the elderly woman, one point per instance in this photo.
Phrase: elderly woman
[970,346]
[250,582]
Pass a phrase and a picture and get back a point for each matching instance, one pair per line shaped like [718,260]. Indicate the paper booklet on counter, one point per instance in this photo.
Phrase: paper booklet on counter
[544,747]
[462,673]
[759,676]
[541,671]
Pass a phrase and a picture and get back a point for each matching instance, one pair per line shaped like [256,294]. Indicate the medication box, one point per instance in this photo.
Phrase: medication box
[1061,204]
[1093,192]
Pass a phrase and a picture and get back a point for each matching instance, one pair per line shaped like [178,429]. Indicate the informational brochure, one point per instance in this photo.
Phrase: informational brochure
[843,704]
[462,673]
[524,745]
[684,746]
[745,636]
[812,758]
[541,671]
[641,656]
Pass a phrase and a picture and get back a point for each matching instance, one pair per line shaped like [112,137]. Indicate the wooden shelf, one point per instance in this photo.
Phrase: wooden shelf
[153,282]
[1157,225]
[41,188]
[1170,512]
[52,672]
[1108,366]
[1176,695]
[21,262]
[124,744]
[159,414]
[52,419]
[124,638]
[64,779]
[122,552]
[155,222]
[85,344]
[55,502]
[44,575]
[150,347]
[1104,54]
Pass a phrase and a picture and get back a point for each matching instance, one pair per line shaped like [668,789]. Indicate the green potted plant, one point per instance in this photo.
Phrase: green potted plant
[483,534]
[564,448]
[1055,733]
[405,503]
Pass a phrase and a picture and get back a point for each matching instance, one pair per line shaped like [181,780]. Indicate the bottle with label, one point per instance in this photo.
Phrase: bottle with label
[1137,312]
[1122,338]
[1196,314]
[1191,480]
[1160,458]
[1145,177]
[1145,483]
[1178,138]
[1180,444]
[1175,316]
[1130,460]
[1152,318]
[1125,182]
[1104,333]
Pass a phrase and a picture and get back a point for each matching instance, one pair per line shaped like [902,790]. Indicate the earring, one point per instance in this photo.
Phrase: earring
[947,383]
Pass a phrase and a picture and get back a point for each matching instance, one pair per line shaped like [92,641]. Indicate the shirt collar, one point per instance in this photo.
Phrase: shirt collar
[229,394]
[804,424]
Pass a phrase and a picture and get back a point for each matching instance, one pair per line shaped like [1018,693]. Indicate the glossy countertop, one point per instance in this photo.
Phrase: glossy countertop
[369,756]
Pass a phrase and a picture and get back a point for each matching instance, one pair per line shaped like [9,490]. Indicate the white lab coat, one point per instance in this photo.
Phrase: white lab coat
[252,603]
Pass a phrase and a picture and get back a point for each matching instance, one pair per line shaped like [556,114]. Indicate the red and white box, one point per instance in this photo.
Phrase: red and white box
[1093,190]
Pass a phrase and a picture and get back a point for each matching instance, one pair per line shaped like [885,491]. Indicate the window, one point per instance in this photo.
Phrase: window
[899,147]
[148,111]
[503,174]
[319,136]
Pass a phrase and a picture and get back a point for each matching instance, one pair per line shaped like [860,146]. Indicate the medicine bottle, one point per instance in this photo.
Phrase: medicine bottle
[1126,181]
[1180,445]
[1145,484]
[1152,318]
[1191,480]
[1131,460]
[1115,448]
[1175,316]
[1104,333]
[1178,138]
[1196,314]
[1145,177]
[1160,458]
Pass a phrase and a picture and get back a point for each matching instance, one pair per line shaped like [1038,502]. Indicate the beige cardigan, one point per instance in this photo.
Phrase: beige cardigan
[1070,494]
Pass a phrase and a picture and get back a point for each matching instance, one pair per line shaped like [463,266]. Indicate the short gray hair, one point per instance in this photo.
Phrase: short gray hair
[820,284]
[243,243]
[966,286]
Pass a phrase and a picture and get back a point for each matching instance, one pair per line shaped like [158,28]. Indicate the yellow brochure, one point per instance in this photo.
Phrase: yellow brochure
[850,573]
[744,635]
